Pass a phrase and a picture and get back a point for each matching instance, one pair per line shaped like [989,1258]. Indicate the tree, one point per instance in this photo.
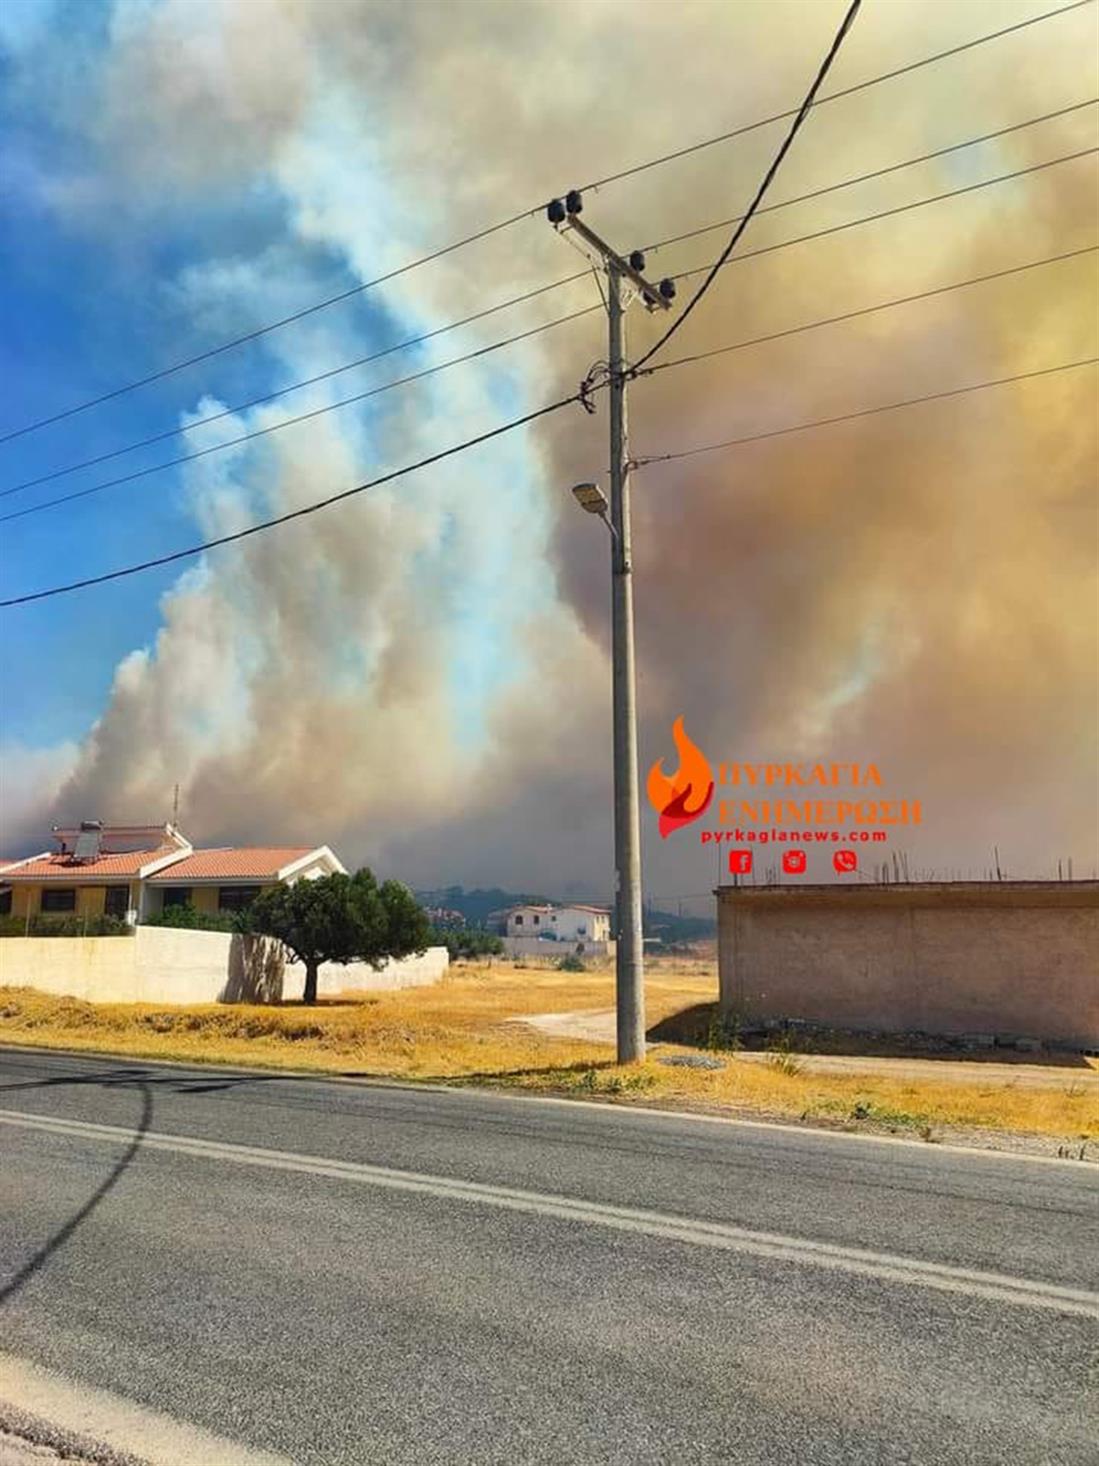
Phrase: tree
[341,918]
[467,941]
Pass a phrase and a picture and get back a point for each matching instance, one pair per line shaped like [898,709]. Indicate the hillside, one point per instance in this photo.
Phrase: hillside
[476,906]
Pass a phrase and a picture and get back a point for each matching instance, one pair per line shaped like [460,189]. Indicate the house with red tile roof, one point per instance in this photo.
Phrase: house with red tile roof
[586,929]
[136,871]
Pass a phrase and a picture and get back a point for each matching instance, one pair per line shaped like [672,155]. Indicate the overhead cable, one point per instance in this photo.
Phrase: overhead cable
[413,341]
[364,286]
[496,432]
[768,178]
[825,422]
[535,330]
[293,514]
[290,422]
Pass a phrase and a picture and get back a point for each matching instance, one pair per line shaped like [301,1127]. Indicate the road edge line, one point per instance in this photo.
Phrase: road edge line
[489,1092]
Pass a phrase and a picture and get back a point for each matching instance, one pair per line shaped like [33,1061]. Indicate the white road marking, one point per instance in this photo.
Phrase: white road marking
[129,1428]
[889,1267]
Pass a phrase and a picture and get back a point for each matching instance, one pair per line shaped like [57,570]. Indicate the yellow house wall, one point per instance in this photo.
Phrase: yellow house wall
[23,900]
[90,900]
[203,898]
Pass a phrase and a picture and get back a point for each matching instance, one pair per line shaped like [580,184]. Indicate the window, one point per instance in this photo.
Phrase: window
[518,921]
[535,921]
[5,902]
[177,896]
[59,898]
[116,901]
[236,898]
[581,931]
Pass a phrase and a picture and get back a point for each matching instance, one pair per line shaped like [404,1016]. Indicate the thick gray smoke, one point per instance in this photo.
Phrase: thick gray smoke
[419,678]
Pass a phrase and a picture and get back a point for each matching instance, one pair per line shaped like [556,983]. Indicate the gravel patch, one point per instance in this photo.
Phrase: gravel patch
[28,1440]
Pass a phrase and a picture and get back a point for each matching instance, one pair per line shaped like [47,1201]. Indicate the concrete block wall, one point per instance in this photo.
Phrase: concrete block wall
[1011,958]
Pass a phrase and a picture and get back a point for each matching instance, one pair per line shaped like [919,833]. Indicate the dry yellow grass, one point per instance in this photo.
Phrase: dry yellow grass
[455,1031]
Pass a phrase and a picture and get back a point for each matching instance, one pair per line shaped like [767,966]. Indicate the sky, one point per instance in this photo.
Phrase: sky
[420,676]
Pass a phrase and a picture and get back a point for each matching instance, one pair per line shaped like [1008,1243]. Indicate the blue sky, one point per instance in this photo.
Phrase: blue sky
[358,658]
[87,307]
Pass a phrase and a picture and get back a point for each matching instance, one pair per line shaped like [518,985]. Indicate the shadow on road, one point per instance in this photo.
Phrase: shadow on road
[178,1084]
[35,1263]
[145,1081]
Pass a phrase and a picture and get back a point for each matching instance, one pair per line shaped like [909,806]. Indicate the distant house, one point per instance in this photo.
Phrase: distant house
[445,916]
[135,871]
[583,929]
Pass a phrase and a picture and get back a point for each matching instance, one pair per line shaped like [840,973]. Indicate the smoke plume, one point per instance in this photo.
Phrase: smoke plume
[419,677]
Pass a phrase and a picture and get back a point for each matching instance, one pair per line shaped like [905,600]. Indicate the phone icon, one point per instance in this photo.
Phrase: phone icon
[844,861]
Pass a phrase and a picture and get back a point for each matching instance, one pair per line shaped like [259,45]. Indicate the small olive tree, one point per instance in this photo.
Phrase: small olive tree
[340,918]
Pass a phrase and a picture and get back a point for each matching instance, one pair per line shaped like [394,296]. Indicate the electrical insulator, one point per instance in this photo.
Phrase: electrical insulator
[667,289]
[637,259]
[573,201]
[555,213]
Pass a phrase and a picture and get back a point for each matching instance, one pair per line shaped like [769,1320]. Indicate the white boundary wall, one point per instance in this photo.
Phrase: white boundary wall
[540,947]
[159,964]
[407,972]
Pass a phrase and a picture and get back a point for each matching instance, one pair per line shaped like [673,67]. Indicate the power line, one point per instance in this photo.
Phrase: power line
[751,254]
[482,351]
[850,91]
[496,432]
[491,229]
[817,193]
[867,310]
[426,336]
[255,335]
[290,422]
[776,163]
[252,529]
[325,376]
[824,422]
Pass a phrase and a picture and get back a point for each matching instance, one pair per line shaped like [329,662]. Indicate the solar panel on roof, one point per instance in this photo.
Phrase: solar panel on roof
[87,845]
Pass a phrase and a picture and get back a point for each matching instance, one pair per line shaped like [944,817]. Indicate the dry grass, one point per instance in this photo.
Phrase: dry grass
[455,1031]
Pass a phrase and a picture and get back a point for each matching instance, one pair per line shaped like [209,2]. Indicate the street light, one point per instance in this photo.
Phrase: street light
[591,498]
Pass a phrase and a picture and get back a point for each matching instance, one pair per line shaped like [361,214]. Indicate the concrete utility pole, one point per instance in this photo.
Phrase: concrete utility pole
[629,953]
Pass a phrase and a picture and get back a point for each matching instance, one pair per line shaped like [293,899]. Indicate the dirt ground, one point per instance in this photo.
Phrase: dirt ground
[464,1030]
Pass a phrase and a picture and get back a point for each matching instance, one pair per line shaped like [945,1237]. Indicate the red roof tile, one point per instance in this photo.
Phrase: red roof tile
[103,867]
[237,863]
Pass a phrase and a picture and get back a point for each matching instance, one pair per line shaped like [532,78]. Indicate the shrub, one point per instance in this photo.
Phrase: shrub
[203,921]
[40,925]
[466,941]
[571,963]
[723,1031]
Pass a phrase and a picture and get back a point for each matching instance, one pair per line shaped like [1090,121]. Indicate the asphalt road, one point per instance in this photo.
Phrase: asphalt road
[335,1273]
